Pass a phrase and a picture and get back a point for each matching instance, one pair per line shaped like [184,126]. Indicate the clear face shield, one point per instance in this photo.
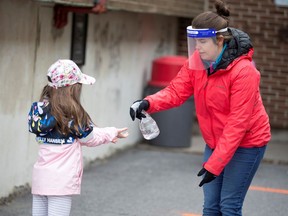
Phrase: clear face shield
[202,48]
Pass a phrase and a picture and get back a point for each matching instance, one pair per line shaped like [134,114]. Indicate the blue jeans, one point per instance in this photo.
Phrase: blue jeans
[224,196]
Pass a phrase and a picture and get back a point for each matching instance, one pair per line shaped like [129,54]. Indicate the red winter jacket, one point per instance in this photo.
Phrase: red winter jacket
[228,106]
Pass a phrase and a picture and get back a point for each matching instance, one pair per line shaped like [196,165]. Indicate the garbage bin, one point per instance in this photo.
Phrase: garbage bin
[175,124]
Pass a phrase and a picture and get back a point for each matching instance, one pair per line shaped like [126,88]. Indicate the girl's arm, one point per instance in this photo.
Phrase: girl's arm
[105,135]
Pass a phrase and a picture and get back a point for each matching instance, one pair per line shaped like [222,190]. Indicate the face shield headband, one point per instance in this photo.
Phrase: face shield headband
[201,46]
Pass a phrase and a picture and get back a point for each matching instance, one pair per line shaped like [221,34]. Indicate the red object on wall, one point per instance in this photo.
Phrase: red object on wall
[164,69]
[61,12]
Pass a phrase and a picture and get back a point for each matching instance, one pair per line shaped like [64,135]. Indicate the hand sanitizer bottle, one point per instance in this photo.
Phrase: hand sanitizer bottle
[148,127]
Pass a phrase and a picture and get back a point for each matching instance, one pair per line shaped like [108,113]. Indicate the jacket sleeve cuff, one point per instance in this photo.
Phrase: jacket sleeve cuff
[99,136]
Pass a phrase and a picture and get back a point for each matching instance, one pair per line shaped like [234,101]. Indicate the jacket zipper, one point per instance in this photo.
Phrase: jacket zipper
[210,119]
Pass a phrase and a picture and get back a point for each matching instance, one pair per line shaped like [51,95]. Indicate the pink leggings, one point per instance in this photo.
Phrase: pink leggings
[51,205]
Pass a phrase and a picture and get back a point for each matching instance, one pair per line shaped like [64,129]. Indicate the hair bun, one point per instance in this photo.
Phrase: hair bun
[222,8]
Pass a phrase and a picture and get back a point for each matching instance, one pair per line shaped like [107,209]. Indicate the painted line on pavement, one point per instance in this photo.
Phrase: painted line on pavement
[254,188]
[189,214]
[270,190]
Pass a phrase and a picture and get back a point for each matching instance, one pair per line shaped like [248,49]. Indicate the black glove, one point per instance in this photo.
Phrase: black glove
[137,108]
[207,178]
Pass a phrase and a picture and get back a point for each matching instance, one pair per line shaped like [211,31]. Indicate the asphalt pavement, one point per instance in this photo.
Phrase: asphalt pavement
[149,180]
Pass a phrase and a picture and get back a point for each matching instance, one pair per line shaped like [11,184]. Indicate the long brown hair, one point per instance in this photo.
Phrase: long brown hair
[66,106]
[217,21]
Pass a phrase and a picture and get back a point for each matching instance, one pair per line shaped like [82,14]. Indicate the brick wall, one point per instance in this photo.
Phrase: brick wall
[267,25]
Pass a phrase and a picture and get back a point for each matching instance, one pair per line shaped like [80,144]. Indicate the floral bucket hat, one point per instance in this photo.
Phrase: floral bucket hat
[65,72]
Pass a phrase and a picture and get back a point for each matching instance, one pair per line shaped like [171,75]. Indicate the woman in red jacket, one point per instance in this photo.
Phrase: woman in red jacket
[225,84]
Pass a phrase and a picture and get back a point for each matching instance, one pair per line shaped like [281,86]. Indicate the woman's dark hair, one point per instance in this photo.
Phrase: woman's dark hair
[215,20]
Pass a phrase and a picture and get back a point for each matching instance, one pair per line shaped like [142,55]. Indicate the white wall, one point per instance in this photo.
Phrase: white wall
[119,51]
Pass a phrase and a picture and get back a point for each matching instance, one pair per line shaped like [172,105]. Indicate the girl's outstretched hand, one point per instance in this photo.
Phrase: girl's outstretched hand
[122,133]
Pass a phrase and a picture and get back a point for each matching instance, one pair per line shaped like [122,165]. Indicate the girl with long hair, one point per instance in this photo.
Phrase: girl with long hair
[62,127]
